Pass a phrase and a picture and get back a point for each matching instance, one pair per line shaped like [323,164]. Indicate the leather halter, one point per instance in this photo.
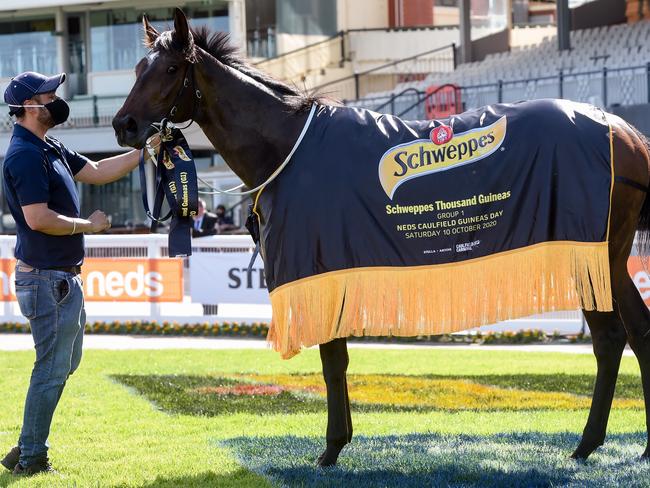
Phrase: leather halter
[188,79]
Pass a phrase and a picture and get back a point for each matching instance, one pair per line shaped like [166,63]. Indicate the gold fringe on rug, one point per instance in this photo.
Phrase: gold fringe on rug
[439,299]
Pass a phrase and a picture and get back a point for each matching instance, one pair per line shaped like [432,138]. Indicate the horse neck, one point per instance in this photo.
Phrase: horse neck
[251,127]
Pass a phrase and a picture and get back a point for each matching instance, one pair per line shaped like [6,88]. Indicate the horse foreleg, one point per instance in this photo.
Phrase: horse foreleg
[608,336]
[636,318]
[334,356]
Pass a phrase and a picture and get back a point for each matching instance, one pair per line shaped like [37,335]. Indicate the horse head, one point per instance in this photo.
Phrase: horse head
[164,82]
[251,118]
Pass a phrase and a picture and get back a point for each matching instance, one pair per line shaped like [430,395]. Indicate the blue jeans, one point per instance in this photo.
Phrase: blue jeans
[53,303]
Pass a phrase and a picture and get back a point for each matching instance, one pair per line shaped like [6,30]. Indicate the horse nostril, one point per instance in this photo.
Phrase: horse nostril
[131,125]
[117,124]
[126,129]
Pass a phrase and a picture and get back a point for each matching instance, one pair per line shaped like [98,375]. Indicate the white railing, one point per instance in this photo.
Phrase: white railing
[235,293]
[239,295]
[130,257]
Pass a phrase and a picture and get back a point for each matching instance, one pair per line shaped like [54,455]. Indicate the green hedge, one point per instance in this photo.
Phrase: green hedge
[260,329]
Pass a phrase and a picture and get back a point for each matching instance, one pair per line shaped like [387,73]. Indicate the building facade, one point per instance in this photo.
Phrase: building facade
[312,43]
[98,45]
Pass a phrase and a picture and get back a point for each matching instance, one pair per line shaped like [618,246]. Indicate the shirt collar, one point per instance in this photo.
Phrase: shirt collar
[29,136]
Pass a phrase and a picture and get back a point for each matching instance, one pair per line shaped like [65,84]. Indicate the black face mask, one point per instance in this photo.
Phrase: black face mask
[59,110]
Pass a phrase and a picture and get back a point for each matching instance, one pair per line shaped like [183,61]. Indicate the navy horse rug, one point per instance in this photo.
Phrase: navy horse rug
[380,226]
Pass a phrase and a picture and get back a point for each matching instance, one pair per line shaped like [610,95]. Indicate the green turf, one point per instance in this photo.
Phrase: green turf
[105,434]
[525,460]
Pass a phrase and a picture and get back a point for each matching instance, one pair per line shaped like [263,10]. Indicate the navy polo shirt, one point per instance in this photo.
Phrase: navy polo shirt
[38,171]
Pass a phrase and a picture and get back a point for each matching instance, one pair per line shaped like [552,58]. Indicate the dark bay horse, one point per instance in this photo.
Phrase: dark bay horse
[253,120]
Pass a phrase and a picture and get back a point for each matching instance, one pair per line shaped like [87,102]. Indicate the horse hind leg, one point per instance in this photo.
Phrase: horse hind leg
[630,212]
[636,318]
[609,338]
[334,356]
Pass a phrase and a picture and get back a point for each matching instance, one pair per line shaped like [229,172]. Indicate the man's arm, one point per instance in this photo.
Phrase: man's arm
[41,218]
[113,168]
[109,169]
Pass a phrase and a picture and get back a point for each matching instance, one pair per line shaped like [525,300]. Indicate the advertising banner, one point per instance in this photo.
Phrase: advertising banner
[224,278]
[640,277]
[120,280]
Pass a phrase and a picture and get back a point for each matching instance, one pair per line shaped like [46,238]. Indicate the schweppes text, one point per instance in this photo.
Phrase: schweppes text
[438,155]
[421,157]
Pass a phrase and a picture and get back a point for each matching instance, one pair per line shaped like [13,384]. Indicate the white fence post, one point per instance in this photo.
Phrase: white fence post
[153,252]
[6,245]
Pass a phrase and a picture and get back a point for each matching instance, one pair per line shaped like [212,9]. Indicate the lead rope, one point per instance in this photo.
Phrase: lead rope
[164,127]
[274,175]
[164,130]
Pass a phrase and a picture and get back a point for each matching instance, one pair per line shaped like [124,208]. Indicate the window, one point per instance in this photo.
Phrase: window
[488,17]
[116,35]
[311,17]
[28,45]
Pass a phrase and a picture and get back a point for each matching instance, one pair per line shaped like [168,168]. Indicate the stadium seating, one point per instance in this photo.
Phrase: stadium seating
[591,49]
[612,47]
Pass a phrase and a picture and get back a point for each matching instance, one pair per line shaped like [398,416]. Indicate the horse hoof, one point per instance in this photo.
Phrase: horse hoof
[581,453]
[328,458]
[584,450]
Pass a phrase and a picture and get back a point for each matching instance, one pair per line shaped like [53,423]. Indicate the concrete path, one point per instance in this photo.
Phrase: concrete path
[23,342]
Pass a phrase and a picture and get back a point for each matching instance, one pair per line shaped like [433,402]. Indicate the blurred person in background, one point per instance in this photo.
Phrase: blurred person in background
[224,222]
[204,221]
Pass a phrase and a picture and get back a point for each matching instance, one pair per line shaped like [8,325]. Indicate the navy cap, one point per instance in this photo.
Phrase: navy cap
[26,85]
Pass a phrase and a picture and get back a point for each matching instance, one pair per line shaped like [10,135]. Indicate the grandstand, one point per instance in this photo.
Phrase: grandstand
[606,66]
[615,46]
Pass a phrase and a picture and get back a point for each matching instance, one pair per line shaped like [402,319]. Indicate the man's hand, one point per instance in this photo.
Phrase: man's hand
[153,147]
[99,221]
[41,218]
[154,142]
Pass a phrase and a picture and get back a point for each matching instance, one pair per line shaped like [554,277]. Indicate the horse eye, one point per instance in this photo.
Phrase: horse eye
[172,69]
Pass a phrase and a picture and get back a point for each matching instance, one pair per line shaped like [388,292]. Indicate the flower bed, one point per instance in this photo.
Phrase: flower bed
[258,394]
[138,327]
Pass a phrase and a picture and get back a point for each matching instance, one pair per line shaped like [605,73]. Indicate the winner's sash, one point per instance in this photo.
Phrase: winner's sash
[380,226]
[176,180]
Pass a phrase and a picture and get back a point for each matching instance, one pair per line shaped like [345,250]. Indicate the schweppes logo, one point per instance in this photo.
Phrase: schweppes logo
[422,157]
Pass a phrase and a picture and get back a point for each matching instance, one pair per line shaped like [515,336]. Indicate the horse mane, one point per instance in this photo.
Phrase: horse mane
[218,45]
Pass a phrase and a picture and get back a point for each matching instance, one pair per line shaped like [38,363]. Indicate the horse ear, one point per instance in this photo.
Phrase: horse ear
[150,33]
[182,34]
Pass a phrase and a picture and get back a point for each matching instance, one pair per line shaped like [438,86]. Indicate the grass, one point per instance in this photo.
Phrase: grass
[417,460]
[107,434]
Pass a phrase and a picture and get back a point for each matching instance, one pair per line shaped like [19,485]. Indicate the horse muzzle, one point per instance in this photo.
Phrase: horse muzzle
[128,132]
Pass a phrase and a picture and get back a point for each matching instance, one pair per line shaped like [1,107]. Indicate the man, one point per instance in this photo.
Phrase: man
[204,221]
[39,176]
[223,221]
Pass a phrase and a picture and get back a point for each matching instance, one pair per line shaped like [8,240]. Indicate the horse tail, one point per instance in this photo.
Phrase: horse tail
[643,227]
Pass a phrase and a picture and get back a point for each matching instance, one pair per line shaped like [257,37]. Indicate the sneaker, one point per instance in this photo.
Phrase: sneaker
[11,460]
[42,465]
